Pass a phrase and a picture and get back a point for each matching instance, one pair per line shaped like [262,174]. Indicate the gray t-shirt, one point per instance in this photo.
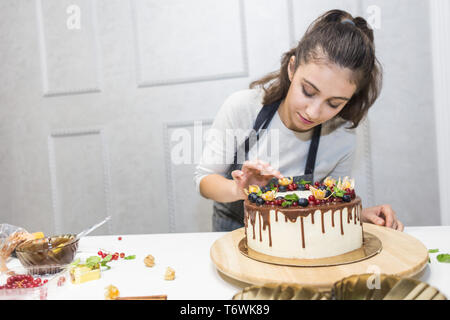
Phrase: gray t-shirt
[285,149]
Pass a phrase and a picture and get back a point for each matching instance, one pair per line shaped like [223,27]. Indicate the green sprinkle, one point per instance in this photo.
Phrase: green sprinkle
[443,257]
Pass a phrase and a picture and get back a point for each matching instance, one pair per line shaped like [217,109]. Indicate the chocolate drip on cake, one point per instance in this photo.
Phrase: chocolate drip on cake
[303,232]
[293,213]
[252,218]
[260,233]
[332,218]
[323,226]
[360,212]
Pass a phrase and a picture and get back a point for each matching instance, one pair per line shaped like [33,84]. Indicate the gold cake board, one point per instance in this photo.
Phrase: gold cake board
[401,255]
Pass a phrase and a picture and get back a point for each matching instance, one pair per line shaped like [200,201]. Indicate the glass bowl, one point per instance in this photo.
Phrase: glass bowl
[44,283]
[52,252]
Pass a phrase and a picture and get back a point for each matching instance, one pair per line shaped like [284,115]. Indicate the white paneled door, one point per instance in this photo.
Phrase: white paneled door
[93,92]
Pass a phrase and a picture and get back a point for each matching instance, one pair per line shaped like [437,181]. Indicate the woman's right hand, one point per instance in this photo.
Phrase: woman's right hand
[254,172]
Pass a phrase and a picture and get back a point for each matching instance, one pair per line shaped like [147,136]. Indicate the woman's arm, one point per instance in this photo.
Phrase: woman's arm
[383,216]
[220,189]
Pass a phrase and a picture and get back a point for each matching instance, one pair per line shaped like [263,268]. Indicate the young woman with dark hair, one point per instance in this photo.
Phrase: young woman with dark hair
[324,88]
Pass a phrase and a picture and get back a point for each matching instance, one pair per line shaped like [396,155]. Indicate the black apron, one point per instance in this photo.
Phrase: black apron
[228,216]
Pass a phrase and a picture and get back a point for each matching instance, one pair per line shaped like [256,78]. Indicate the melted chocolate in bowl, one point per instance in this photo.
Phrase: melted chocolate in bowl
[52,252]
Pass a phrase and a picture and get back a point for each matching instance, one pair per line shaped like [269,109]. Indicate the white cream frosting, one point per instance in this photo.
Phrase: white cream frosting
[319,240]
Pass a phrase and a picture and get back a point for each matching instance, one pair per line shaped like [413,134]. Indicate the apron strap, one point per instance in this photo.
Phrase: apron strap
[312,153]
[262,121]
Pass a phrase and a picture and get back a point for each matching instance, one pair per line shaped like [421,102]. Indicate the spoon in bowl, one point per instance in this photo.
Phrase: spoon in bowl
[90,229]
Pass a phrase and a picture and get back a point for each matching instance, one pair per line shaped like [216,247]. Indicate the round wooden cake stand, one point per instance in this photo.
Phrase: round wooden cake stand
[402,255]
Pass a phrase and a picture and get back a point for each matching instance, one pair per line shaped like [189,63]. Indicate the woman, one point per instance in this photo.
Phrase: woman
[324,88]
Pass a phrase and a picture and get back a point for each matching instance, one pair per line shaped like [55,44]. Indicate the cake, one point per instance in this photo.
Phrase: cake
[85,273]
[293,219]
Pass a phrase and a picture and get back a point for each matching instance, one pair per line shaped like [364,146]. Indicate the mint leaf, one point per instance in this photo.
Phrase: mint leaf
[104,262]
[107,258]
[339,193]
[286,203]
[76,262]
[92,261]
[443,257]
[130,257]
[433,250]
[291,197]
[303,182]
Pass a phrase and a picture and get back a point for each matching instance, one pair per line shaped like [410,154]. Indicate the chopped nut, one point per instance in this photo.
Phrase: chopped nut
[170,274]
[111,292]
[149,261]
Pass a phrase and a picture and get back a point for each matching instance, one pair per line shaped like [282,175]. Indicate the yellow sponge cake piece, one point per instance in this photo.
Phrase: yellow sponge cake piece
[81,273]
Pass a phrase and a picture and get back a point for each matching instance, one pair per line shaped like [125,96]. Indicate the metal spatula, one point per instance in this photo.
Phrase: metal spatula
[90,229]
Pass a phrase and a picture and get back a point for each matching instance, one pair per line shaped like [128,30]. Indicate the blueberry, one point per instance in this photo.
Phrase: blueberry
[347,198]
[303,202]
[327,194]
[260,201]
[264,189]
[282,188]
[301,187]
[323,187]
[252,197]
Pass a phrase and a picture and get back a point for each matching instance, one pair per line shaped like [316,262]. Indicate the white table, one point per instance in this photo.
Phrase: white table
[196,275]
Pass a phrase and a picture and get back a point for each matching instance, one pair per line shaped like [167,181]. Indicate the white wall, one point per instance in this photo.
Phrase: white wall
[87,115]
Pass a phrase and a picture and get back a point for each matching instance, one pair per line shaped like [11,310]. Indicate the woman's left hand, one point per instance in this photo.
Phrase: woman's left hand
[383,216]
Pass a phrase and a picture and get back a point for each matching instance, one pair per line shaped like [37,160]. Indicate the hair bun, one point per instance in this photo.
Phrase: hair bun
[362,24]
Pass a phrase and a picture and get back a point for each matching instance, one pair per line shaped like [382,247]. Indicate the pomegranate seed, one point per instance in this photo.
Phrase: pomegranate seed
[307,186]
[100,253]
[45,280]
[120,238]
[316,202]
[61,281]
[317,184]
[122,255]
[311,198]
[295,203]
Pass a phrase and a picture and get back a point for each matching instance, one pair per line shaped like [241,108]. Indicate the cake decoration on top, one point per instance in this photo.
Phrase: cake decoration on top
[329,191]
